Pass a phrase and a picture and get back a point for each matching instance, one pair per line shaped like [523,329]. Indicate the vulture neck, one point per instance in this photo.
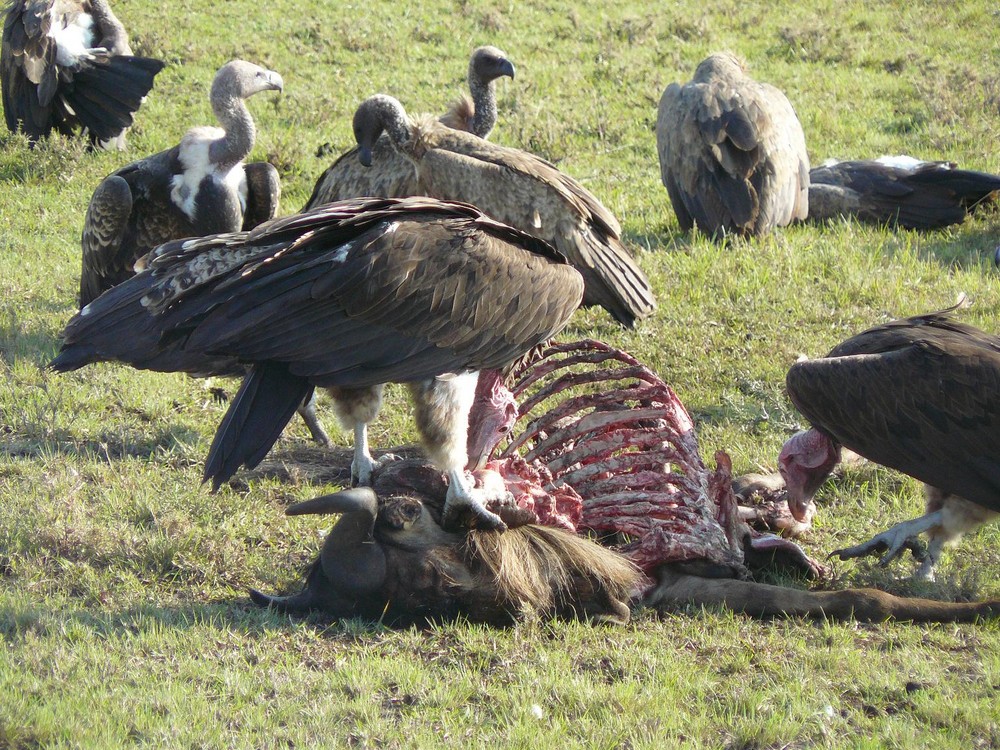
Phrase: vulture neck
[235,118]
[109,32]
[397,124]
[484,98]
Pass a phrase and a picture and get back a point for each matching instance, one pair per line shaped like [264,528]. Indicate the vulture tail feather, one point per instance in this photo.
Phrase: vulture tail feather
[268,398]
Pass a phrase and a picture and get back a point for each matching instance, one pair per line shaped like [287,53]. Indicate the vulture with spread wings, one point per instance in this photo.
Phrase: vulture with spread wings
[350,295]
[67,65]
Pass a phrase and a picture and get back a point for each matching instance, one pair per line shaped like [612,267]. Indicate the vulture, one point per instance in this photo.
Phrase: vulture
[198,187]
[920,395]
[67,65]
[395,178]
[348,296]
[898,191]
[516,188]
[732,152]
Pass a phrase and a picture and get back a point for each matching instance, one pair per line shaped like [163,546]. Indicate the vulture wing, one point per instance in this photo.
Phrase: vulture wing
[107,258]
[410,290]
[920,395]
[391,175]
[27,67]
[99,91]
[928,195]
[263,193]
[520,189]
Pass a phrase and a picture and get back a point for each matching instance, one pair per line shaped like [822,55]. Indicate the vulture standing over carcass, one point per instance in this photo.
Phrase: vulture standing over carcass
[348,178]
[898,191]
[198,187]
[351,295]
[921,395]
[516,188]
[67,64]
[732,152]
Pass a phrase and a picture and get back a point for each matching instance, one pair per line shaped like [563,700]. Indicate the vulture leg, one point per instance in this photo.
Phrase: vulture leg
[308,413]
[355,408]
[893,541]
[442,411]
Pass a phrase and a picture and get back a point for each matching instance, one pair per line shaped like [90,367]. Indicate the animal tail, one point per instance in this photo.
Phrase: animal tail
[107,90]
[95,333]
[268,398]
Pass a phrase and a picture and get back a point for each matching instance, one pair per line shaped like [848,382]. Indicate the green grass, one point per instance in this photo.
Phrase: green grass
[123,615]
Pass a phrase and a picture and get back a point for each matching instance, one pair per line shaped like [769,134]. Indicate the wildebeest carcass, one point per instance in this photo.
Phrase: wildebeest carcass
[618,458]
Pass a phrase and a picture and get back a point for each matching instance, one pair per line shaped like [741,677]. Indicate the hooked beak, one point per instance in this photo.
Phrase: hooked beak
[507,69]
[365,155]
[272,81]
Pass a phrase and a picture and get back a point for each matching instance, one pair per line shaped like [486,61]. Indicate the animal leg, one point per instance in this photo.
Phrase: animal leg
[308,413]
[442,406]
[465,506]
[355,408]
[894,540]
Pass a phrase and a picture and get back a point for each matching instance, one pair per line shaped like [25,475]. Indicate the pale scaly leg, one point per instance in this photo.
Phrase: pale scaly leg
[894,540]
[355,408]
[442,407]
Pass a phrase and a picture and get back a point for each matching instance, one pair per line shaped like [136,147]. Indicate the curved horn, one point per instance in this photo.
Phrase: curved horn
[351,559]
[358,499]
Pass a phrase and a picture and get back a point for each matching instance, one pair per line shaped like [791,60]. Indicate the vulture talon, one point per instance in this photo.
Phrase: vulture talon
[363,471]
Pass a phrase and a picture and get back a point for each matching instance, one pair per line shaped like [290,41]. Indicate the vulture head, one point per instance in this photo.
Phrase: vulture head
[238,80]
[489,63]
[376,114]
[806,460]
[491,419]
[724,65]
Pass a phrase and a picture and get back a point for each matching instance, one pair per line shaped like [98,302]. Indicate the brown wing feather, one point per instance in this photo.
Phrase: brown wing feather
[263,193]
[391,176]
[107,260]
[27,68]
[921,396]
[527,192]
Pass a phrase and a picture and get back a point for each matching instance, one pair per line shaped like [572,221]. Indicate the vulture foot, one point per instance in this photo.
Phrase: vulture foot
[364,466]
[892,542]
[465,506]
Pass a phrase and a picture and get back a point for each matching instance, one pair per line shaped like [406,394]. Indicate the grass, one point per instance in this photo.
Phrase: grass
[123,615]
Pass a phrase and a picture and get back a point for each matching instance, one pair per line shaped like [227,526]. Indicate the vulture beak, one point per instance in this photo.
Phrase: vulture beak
[365,155]
[271,80]
[507,68]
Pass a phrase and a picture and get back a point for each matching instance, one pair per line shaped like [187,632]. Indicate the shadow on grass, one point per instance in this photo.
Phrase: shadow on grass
[107,446]
[240,615]
[31,340]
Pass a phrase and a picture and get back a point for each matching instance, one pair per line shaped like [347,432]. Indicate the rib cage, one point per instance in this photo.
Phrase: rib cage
[622,439]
